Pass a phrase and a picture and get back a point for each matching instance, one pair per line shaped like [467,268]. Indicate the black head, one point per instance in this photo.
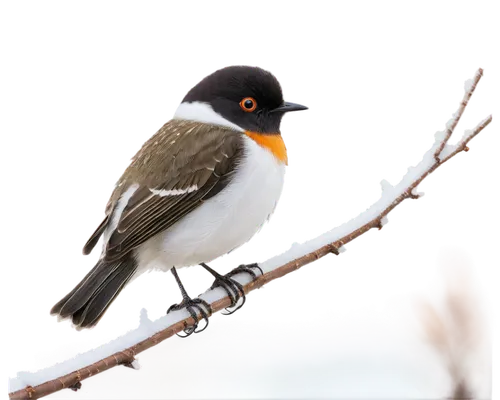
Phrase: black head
[249,97]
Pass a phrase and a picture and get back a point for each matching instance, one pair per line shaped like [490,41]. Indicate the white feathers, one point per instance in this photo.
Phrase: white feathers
[173,192]
[223,222]
[118,210]
[203,112]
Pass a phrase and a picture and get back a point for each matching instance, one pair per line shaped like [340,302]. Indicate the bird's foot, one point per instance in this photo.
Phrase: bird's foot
[193,305]
[233,288]
[199,309]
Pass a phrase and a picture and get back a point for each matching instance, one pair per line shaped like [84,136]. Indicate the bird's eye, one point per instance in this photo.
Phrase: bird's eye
[248,104]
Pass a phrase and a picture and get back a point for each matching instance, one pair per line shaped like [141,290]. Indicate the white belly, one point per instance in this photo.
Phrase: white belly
[224,222]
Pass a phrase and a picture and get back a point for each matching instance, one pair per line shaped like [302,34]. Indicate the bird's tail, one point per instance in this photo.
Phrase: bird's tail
[88,301]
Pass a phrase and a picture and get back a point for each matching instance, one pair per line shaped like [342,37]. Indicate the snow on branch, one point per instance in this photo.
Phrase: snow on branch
[122,351]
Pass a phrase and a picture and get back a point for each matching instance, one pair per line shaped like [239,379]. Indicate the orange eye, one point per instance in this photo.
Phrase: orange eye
[248,104]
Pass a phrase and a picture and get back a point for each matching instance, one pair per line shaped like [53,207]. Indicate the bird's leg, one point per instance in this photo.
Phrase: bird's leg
[193,306]
[232,287]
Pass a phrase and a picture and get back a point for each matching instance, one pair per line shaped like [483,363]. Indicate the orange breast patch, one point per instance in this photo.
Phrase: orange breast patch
[274,143]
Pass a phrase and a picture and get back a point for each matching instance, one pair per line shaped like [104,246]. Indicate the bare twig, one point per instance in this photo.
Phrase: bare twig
[403,191]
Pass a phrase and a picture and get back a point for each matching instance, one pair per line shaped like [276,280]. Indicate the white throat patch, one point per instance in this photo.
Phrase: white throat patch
[203,112]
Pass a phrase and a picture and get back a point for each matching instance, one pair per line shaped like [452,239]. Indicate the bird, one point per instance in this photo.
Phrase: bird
[200,187]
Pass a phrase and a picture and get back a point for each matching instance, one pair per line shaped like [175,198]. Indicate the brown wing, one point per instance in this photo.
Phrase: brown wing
[198,165]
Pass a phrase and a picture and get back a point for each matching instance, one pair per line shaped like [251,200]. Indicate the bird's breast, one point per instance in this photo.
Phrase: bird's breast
[226,220]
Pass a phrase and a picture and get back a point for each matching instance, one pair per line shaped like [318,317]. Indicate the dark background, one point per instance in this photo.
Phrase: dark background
[368,114]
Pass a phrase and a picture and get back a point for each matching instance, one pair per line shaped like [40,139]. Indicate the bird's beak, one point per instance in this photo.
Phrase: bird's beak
[286,107]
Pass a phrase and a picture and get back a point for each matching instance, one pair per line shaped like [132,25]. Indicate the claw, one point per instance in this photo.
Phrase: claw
[248,269]
[232,287]
[193,306]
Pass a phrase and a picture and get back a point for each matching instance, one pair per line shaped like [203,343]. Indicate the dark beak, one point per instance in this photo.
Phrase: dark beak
[286,107]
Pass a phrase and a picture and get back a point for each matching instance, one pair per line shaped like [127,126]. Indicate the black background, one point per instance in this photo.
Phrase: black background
[368,114]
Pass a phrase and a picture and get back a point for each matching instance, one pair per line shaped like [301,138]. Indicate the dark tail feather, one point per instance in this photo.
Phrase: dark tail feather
[88,301]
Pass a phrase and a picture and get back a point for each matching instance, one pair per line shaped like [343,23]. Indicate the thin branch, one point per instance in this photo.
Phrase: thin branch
[375,217]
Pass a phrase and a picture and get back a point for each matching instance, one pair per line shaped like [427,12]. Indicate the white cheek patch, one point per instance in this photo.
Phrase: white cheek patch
[203,112]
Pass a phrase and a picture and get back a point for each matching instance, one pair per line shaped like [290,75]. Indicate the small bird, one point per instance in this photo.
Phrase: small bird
[202,186]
